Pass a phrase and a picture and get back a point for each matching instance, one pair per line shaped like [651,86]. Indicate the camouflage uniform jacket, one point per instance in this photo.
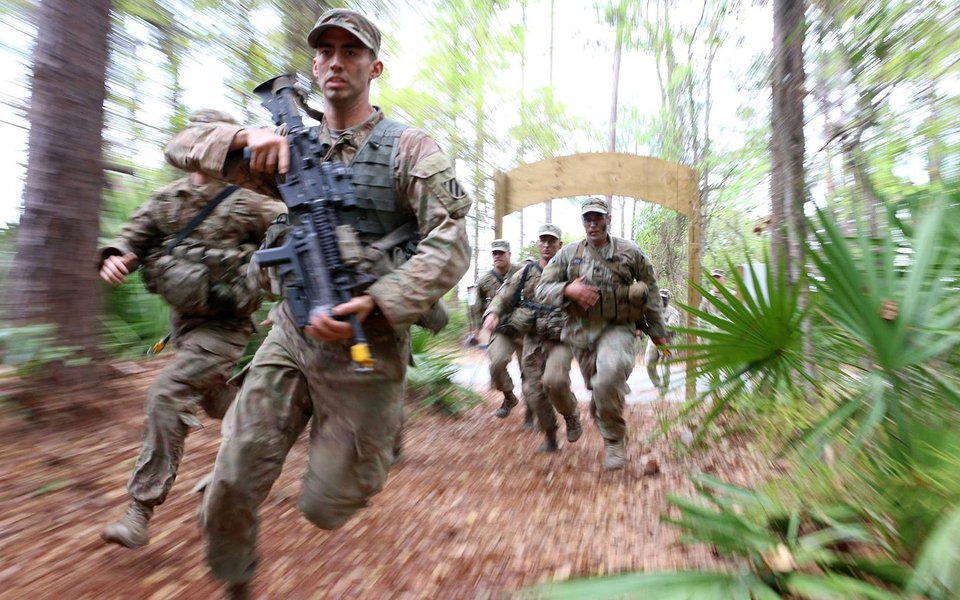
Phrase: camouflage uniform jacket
[237,224]
[487,287]
[671,318]
[425,186]
[582,332]
[502,302]
[708,307]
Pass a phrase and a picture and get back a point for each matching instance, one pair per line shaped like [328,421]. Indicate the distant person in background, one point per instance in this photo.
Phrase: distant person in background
[198,263]
[545,362]
[671,318]
[506,342]
[606,284]
[719,280]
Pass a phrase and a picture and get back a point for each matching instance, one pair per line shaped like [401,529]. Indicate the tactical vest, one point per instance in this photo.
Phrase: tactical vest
[377,212]
[621,300]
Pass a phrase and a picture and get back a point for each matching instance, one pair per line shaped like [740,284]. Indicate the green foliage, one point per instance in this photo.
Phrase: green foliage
[881,522]
[754,343]
[431,379]
[898,321]
[29,349]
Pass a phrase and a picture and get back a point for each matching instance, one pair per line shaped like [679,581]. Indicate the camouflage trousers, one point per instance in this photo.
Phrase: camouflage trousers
[354,420]
[605,367]
[501,350]
[195,378]
[546,380]
[652,360]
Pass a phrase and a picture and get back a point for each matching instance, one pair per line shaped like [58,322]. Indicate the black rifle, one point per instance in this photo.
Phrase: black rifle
[309,264]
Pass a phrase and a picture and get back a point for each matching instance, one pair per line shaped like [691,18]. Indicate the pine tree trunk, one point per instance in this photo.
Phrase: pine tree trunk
[53,279]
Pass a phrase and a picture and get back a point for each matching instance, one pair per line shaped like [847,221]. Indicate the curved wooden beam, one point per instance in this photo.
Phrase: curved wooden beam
[604,173]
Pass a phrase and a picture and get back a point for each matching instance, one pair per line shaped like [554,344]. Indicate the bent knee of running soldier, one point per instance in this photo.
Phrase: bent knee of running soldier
[170,399]
[350,457]
[330,497]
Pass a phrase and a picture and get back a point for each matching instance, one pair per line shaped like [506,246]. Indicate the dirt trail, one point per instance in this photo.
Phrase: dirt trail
[470,512]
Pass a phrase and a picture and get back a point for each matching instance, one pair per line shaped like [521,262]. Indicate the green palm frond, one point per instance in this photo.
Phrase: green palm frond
[663,586]
[937,571]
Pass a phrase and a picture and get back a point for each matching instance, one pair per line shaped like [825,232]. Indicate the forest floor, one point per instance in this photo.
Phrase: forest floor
[471,511]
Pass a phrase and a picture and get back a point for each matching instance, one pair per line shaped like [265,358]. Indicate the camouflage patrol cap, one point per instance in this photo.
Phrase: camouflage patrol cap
[716,273]
[549,229]
[500,246]
[210,115]
[597,205]
[351,21]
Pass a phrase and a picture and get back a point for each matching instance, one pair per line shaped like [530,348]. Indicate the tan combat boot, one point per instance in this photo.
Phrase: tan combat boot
[131,530]
[550,444]
[574,429]
[615,455]
[509,401]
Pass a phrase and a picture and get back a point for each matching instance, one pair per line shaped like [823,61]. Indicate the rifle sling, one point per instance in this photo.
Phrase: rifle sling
[199,217]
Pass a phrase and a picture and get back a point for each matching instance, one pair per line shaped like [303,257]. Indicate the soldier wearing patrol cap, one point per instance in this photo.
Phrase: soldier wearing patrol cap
[200,271]
[606,285]
[545,362]
[652,356]
[717,276]
[506,341]
[404,183]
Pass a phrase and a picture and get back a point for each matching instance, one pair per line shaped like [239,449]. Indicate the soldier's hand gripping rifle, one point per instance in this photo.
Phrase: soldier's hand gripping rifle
[309,264]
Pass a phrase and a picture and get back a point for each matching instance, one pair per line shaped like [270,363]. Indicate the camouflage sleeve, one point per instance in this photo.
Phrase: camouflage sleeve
[554,278]
[479,308]
[502,303]
[266,210]
[426,181]
[653,310]
[674,319]
[206,148]
[138,236]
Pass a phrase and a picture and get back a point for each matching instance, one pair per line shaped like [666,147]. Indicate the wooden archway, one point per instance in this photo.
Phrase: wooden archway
[662,182]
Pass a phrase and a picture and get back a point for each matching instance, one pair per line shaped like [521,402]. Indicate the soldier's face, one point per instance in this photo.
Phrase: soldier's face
[548,246]
[344,67]
[501,260]
[595,225]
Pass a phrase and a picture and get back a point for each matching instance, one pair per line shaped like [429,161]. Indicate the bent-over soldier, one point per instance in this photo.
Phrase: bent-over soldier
[200,271]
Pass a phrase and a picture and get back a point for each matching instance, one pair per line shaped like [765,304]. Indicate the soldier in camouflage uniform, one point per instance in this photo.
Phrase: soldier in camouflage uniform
[719,280]
[671,318]
[545,362]
[203,278]
[401,178]
[505,341]
[606,285]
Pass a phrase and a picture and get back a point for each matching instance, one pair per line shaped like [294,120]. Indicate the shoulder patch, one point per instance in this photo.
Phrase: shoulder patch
[452,186]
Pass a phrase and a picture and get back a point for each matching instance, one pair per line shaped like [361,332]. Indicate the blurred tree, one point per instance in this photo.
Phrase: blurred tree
[684,49]
[622,15]
[788,185]
[456,88]
[53,280]
[885,94]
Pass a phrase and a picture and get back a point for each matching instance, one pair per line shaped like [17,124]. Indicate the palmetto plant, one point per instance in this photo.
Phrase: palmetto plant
[431,378]
[887,329]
